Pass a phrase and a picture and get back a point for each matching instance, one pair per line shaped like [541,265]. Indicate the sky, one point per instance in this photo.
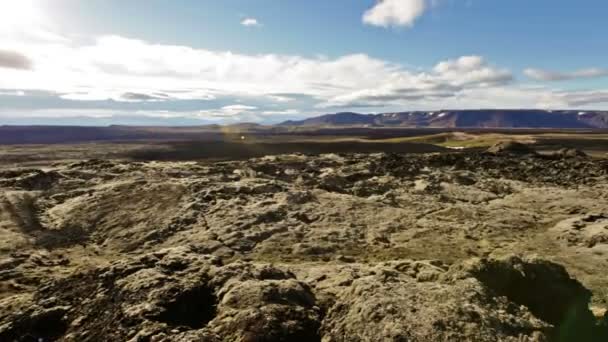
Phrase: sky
[188,62]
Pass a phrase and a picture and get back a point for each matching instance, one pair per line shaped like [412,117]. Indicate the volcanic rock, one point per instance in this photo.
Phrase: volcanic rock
[511,147]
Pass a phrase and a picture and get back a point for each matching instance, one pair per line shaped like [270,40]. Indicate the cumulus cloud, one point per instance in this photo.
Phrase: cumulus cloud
[472,70]
[395,12]
[14,60]
[250,22]
[447,79]
[548,75]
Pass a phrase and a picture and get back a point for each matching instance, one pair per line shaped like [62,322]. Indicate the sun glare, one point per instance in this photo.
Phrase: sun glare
[17,15]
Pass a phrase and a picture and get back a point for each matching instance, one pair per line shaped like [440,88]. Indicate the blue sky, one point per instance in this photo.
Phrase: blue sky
[191,61]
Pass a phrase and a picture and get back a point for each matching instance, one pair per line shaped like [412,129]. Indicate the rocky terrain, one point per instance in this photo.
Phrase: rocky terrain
[504,245]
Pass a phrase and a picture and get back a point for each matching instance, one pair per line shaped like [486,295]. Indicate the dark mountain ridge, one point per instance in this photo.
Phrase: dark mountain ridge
[524,118]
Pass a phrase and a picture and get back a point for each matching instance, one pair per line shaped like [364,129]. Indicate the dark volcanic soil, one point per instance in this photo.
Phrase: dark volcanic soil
[353,247]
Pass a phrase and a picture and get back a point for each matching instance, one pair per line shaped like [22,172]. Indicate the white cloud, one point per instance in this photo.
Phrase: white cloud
[229,111]
[395,12]
[548,75]
[60,113]
[12,93]
[232,113]
[250,22]
[281,112]
[101,117]
[465,63]
[280,99]
[472,70]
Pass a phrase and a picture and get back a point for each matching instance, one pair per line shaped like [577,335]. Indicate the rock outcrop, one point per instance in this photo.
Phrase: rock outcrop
[512,148]
[172,294]
[179,294]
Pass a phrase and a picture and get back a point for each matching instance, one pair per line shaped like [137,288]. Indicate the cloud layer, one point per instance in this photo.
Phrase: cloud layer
[548,75]
[128,70]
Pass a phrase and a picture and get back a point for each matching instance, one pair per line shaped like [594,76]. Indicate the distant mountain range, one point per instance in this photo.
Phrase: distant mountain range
[392,124]
[462,119]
